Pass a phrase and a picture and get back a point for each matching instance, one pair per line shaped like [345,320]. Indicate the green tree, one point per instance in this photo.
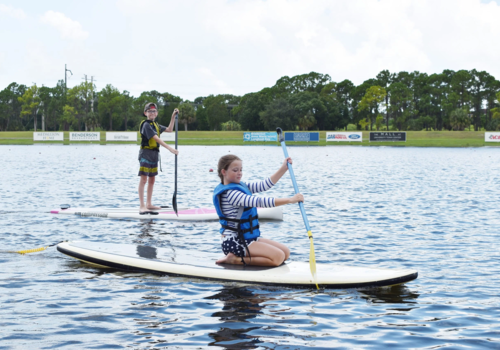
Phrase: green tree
[401,107]
[279,113]
[384,79]
[216,111]
[126,107]
[231,125]
[306,121]
[248,111]
[480,81]
[312,82]
[187,114]
[371,100]
[10,107]
[68,117]
[109,105]
[459,119]
[29,104]
[379,121]
[496,111]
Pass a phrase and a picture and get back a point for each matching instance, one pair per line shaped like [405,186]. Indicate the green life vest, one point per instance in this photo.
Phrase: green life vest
[151,143]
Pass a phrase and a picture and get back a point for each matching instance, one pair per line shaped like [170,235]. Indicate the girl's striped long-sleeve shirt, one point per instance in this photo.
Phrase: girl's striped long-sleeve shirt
[231,200]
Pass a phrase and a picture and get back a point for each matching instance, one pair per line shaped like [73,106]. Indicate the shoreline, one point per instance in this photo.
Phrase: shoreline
[235,138]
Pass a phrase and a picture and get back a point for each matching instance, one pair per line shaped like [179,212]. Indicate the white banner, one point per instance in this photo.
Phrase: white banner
[85,136]
[344,136]
[48,136]
[167,136]
[492,137]
[121,136]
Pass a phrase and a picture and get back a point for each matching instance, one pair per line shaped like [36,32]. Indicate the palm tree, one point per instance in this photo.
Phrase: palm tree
[306,121]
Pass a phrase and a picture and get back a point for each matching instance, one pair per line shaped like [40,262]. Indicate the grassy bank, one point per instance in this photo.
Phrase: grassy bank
[205,138]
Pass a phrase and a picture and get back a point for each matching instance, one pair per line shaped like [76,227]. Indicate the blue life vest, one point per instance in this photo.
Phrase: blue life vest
[247,219]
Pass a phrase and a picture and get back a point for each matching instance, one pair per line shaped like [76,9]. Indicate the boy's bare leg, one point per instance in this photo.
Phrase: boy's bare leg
[151,184]
[142,183]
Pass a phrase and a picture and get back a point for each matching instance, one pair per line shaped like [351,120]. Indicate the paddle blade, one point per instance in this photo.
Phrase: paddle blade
[312,259]
[280,135]
[174,203]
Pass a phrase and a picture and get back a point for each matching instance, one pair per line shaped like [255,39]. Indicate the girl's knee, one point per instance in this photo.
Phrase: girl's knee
[279,258]
[286,251]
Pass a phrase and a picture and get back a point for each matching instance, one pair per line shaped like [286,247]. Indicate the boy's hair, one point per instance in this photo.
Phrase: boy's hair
[150,105]
[224,163]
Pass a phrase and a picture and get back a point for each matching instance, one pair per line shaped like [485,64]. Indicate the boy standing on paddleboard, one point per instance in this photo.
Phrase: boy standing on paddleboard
[149,152]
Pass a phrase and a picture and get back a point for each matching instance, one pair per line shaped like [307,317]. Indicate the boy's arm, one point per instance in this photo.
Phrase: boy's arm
[170,126]
[161,142]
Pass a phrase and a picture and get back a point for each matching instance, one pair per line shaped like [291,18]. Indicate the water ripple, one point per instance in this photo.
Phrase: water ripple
[433,210]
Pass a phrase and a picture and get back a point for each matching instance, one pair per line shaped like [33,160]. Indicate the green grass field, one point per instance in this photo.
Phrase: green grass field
[213,138]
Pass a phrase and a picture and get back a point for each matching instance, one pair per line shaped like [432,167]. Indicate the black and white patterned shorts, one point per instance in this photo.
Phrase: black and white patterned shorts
[231,244]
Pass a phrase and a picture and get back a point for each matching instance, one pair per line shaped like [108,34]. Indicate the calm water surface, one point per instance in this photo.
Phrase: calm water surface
[435,210]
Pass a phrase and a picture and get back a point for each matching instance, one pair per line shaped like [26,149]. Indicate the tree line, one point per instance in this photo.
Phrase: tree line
[451,100]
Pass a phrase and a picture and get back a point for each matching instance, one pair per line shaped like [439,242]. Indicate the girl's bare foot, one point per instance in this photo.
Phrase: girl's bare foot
[153,207]
[229,259]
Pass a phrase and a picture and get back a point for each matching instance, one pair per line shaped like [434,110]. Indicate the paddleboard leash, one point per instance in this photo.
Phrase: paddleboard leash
[28,251]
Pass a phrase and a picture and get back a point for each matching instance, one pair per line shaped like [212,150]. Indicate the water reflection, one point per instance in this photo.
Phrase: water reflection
[240,306]
[146,252]
[400,294]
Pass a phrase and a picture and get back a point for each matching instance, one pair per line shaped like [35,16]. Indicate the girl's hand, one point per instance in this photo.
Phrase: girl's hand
[288,160]
[174,151]
[176,111]
[297,198]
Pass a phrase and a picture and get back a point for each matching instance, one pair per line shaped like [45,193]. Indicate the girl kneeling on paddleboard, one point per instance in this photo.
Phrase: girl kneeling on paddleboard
[237,210]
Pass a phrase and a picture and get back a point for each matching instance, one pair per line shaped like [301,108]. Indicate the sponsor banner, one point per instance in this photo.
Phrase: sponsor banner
[85,136]
[344,136]
[121,136]
[167,136]
[492,137]
[48,136]
[302,136]
[260,136]
[388,136]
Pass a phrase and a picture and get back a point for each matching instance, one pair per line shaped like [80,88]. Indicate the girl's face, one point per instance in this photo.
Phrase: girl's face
[233,173]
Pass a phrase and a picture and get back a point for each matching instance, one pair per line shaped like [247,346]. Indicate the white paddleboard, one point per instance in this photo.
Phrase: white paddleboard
[175,262]
[185,214]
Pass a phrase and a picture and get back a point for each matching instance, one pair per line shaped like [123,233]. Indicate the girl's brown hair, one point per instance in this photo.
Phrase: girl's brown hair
[224,163]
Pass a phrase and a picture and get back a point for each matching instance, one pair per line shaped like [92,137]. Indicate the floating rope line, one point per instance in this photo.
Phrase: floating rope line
[28,251]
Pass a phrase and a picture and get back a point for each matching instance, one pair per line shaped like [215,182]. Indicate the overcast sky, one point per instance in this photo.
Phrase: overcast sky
[196,48]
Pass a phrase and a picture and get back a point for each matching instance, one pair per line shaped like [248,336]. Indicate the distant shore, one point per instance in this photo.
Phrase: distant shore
[214,138]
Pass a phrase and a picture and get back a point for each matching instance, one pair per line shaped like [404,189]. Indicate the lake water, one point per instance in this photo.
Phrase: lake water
[435,210]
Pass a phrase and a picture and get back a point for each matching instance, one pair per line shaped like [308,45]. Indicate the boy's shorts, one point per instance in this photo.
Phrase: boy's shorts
[148,162]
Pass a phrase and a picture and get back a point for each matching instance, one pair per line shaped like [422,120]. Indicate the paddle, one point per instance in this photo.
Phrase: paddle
[174,198]
[312,258]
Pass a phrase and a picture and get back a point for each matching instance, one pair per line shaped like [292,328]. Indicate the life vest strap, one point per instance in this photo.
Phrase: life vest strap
[225,227]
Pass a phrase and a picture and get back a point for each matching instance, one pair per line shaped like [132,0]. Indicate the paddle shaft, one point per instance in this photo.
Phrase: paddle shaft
[176,124]
[174,198]
[312,255]
[295,187]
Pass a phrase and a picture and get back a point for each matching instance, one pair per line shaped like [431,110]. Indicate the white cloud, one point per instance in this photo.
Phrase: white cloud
[195,48]
[12,12]
[66,26]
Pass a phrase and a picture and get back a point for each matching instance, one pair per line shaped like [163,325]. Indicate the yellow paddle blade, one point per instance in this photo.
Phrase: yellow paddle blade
[312,259]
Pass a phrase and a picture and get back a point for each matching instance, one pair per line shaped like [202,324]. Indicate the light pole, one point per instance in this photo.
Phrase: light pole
[66,78]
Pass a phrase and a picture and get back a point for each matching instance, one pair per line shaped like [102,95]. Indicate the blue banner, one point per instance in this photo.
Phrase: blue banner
[302,136]
[260,136]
